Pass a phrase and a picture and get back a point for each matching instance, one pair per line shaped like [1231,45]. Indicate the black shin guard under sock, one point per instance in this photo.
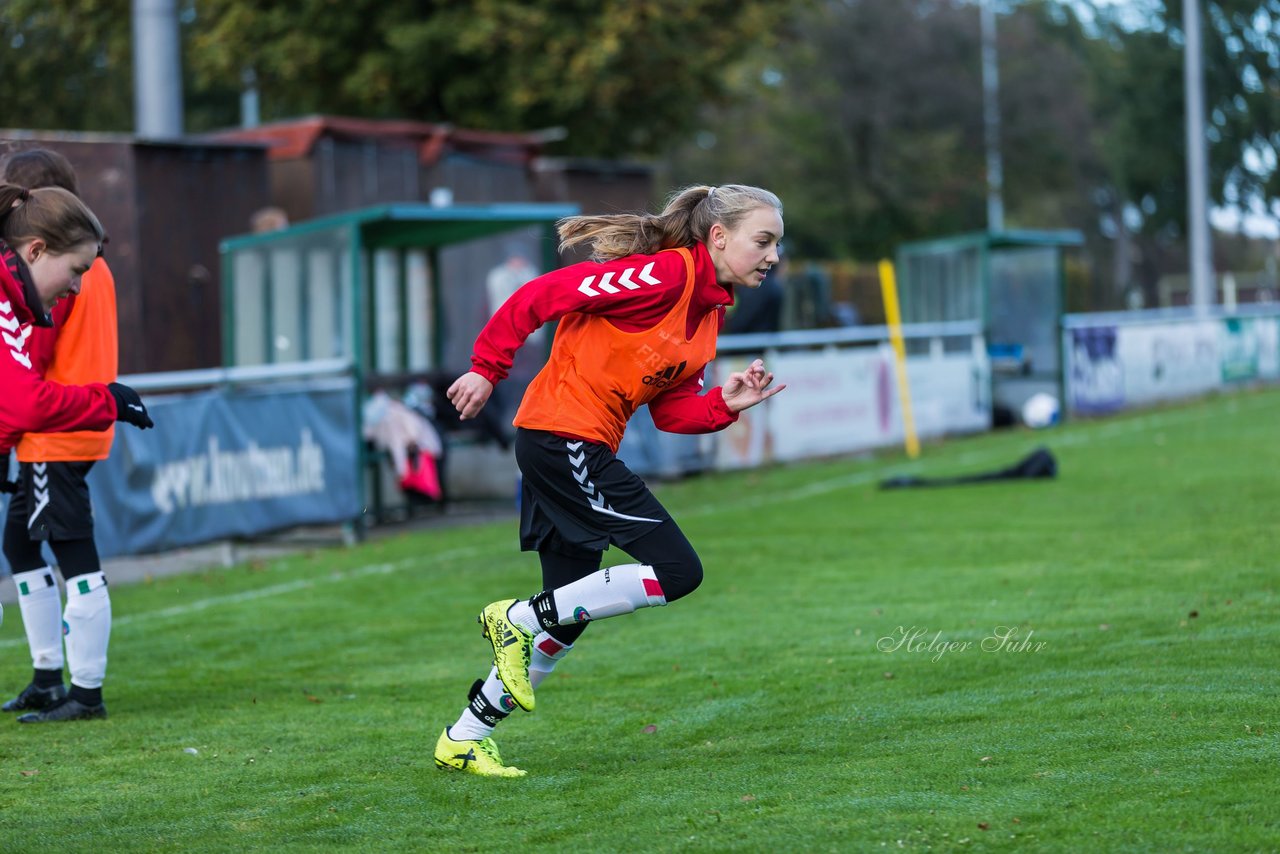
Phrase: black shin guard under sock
[544,608]
[487,712]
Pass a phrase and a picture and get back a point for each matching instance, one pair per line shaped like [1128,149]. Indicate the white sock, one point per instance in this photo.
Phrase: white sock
[470,726]
[88,617]
[607,592]
[547,653]
[41,606]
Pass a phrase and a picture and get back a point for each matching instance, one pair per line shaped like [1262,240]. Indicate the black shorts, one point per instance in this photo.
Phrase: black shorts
[578,494]
[52,501]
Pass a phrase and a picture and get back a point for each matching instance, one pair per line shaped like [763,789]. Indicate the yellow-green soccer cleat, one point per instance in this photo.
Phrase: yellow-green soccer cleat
[512,647]
[474,757]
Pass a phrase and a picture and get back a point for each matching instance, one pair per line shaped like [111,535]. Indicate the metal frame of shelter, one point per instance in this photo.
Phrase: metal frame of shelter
[1013,283]
[319,290]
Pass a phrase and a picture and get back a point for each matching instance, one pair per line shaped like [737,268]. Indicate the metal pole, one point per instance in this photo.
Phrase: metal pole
[250,116]
[991,118]
[1200,269]
[157,70]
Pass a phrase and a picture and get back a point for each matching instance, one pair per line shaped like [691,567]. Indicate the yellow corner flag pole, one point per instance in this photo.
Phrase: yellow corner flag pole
[890,291]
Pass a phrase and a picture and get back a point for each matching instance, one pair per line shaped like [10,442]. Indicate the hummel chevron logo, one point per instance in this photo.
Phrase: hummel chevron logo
[580,474]
[17,340]
[605,284]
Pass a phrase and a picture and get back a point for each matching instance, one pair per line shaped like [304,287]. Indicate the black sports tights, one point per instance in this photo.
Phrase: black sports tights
[75,557]
[665,548]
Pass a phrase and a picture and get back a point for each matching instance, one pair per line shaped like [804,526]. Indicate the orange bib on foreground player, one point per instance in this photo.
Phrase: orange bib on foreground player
[591,356]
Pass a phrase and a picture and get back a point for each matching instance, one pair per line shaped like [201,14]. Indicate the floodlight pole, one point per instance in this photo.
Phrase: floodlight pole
[991,118]
[157,70]
[1200,271]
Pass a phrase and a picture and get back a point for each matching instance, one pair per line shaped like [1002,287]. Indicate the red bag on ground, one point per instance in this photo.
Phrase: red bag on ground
[422,476]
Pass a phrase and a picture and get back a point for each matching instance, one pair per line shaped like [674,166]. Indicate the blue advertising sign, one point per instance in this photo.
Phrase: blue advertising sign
[226,464]
[1097,375]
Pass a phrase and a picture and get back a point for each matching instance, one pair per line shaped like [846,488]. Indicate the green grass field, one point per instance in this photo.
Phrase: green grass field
[1134,707]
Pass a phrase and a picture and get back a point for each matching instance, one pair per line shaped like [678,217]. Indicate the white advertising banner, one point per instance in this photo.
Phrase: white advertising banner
[1166,361]
[836,401]
[841,401]
[1267,330]
[745,443]
[949,394]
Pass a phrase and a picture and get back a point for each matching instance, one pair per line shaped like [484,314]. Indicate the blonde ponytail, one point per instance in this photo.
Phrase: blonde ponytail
[685,221]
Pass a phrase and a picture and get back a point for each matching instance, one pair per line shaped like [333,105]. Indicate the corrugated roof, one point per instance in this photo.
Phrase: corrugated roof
[296,138]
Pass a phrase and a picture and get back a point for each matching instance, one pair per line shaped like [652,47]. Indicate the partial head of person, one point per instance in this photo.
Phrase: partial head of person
[40,167]
[54,233]
[741,226]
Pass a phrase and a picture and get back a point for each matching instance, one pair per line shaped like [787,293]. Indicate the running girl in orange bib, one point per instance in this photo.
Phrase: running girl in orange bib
[638,324]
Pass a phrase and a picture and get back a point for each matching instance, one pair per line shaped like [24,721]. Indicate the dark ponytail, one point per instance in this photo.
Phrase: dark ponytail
[51,214]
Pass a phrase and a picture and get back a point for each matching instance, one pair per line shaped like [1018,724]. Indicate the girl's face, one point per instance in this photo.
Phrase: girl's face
[57,276]
[743,255]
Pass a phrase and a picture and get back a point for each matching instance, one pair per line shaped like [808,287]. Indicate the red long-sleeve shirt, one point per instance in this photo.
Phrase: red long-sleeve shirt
[27,402]
[631,303]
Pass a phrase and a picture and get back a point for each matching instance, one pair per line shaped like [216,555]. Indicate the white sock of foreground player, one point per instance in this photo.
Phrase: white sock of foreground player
[491,704]
[605,593]
[41,606]
[88,617]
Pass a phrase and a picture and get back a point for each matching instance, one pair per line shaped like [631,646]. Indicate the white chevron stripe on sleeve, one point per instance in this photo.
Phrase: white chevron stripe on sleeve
[604,283]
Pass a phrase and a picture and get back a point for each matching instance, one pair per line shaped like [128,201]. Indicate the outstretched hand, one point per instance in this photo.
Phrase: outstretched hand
[469,393]
[744,389]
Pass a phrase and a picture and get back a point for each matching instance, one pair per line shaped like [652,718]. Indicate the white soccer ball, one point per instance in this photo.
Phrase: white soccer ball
[1040,411]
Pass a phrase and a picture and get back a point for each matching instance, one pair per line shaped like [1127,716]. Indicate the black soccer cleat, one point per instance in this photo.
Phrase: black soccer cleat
[68,710]
[35,699]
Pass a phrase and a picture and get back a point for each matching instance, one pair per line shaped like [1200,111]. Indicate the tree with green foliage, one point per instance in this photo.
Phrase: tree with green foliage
[66,64]
[867,119]
[621,76]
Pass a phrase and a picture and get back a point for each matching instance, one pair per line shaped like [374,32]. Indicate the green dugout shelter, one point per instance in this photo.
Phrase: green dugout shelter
[1014,283]
[366,286]
[393,291]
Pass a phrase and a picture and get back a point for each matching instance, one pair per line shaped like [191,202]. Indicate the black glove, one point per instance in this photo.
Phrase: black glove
[6,485]
[129,406]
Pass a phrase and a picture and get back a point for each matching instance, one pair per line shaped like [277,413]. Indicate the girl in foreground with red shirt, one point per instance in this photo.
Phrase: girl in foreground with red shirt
[48,239]
[638,324]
